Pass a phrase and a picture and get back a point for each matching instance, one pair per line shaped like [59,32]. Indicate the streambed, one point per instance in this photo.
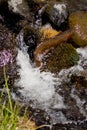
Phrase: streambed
[56,99]
[60,97]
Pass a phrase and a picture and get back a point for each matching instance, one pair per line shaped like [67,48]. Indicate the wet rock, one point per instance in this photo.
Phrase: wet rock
[30,10]
[64,56]
[57,12]
[80,85]
[37,8]
[69,126]
[10,19]
[79,82]
[31,39]
[20,7]
[74,5]
[77,22]
[28,38]
[41,117]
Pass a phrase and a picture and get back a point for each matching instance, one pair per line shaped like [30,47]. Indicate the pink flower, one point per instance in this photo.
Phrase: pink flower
[5,57]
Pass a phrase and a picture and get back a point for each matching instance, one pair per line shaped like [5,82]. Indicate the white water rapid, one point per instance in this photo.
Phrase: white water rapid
[39,87]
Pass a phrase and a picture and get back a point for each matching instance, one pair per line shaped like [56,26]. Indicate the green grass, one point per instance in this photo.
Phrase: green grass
[8,111]
[10,118]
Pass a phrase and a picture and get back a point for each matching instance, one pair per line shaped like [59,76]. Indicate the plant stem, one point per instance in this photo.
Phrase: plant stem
[7,88]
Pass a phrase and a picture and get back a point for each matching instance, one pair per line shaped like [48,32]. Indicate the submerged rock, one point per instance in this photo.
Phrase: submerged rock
[77,22]
[63,56]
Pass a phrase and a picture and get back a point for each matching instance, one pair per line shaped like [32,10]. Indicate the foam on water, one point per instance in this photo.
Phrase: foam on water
[39,87]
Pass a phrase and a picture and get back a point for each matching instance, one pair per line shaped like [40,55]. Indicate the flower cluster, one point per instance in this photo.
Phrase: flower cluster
[5,57]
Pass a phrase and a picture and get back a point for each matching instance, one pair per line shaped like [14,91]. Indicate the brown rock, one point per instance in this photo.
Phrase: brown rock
[78,24]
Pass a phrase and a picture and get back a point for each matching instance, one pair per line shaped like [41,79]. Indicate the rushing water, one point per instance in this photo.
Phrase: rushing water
[44,91]
[56,95]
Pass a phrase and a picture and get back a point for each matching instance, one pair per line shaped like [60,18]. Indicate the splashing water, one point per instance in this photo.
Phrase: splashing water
[39,88]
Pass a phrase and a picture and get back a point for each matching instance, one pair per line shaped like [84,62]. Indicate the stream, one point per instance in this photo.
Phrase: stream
[57,96]
[55,99]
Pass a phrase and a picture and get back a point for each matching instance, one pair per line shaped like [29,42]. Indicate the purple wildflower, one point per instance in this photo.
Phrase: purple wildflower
[5,57]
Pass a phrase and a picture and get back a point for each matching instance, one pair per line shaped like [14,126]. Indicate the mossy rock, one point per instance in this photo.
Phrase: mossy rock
[78,24]
[61,57]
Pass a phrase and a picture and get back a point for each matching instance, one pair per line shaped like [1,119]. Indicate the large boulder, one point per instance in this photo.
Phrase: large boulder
[63,56]
[78,24]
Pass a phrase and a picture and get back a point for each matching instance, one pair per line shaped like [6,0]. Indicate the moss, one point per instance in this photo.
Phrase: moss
[63,56]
